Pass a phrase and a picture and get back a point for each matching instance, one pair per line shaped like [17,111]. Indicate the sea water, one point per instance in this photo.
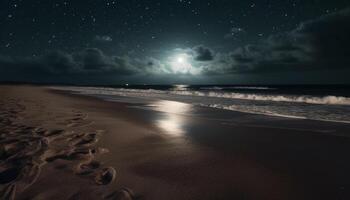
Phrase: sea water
[325,103]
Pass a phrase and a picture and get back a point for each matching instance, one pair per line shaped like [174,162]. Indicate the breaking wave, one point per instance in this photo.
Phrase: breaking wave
[237,88]
[323,108]
[332,100]
[329,100]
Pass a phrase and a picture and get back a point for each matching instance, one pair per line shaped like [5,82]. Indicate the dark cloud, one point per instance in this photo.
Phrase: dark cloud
[202,53]
[320,44]
[87,63]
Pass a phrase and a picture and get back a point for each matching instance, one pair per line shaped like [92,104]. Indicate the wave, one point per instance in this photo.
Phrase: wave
[327,100]
[250,110]
[330,100]
[267,112]
[237,88]
[328,108]
[250,88]
[211,88]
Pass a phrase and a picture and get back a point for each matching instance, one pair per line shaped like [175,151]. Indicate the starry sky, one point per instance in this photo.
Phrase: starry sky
[175,41]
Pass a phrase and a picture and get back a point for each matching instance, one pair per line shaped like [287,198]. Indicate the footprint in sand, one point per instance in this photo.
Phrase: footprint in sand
[105,176]
[78,120]
[87,139]
[79,124]
[84,139]
[21,148]
[71,154]
[79,148]
[87,168]
[39,131]
[24,149]
[43,132]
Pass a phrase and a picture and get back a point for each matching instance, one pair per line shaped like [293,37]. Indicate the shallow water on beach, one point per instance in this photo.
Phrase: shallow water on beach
[323,104]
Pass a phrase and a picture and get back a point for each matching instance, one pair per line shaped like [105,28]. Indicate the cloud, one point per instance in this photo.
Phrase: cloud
[319,44]
[103,38]
[202,53]
[88,65]
[55,65]
[316,48]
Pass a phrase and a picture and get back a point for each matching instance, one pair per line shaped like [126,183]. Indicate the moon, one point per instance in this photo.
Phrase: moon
[180,63]
[180,59]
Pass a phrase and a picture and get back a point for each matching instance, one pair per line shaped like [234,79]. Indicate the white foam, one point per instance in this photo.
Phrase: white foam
[237,88]
[250,88]
[211,88]
[252,110]
[326,108]
[333,100]
[329,100]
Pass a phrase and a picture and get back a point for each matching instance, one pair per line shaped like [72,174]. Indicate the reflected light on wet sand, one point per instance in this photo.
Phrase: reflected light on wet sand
[172,125]
[172,122]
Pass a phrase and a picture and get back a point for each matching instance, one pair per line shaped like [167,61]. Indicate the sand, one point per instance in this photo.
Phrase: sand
[48,149]
[56,145]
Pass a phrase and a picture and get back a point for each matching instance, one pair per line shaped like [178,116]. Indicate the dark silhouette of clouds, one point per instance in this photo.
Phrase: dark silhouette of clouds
[202,53]
[57,63]
[320,44]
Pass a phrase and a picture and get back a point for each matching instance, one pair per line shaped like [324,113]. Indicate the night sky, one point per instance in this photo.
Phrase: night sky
[175,41]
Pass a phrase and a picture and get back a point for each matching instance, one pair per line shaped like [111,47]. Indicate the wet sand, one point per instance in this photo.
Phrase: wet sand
[56,145]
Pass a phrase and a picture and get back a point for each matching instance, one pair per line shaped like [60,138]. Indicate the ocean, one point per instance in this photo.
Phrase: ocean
[323,103]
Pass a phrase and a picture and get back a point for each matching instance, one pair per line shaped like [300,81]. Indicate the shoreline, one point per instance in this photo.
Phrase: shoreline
[272,98]
[201,153]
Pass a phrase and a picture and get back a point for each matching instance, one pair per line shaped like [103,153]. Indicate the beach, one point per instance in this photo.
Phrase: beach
[58,145]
